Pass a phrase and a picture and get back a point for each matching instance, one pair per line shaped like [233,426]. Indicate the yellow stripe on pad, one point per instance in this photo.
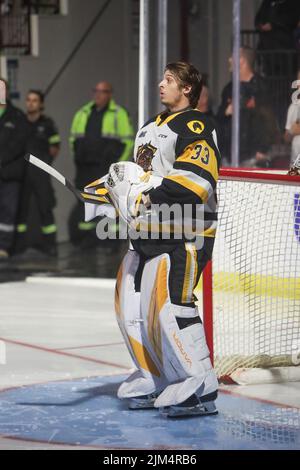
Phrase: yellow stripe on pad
[118,292]
[94,183]
[143,357]
[190,275]
[93,197]
[102,191]
[159,297]
[209,232]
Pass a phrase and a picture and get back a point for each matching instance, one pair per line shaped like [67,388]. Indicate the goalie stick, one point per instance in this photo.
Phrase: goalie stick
[81,195]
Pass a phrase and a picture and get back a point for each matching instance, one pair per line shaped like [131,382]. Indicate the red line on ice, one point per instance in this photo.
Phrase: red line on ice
[63,353]
[90,346]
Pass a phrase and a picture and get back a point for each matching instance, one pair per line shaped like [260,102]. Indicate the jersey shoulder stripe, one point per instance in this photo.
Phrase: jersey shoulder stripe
[190,185]
[191,124]
[186,166]
[165,118]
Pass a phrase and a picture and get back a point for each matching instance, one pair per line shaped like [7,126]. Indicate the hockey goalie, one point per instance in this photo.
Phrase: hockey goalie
[176,161]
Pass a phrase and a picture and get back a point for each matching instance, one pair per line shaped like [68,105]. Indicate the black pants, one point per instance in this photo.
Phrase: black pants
[9,198]
[78,228]
[187,264]
[38,184]
[86,174]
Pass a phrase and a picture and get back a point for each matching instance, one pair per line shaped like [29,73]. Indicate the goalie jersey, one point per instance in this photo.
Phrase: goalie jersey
[182,148]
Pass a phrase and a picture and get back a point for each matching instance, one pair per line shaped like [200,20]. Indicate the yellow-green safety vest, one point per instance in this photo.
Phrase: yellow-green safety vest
[115,125]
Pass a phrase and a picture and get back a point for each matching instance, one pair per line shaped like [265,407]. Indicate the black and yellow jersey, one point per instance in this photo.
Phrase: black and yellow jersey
[182,148]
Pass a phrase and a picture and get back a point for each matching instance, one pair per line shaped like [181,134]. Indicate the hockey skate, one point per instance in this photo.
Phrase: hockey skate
[144,402]
[193,406]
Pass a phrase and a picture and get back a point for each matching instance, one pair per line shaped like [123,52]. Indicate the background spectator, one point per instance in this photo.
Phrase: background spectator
[258,129]
[292,127]
[101,134]
[276,21]
[43,142]
[204,103]
[14,131]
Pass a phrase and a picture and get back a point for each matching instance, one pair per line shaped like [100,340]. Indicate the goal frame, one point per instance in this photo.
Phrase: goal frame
[279,177]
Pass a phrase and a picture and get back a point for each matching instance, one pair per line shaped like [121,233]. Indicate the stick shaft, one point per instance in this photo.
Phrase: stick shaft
[81,195]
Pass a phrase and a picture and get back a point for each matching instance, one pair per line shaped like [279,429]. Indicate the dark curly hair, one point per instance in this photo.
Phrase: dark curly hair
[187,75]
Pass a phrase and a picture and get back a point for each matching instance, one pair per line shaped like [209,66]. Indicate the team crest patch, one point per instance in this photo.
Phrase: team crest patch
[145,155]
[196,126]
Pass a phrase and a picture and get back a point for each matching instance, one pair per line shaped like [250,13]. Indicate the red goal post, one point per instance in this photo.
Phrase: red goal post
[251,289]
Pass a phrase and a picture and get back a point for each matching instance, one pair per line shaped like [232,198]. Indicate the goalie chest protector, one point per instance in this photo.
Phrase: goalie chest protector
[163,139]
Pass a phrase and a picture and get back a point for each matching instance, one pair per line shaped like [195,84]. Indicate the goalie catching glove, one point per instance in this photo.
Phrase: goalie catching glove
[128,184]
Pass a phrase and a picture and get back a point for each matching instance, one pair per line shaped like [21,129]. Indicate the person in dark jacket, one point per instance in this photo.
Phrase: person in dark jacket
[14,131]
[276,21]
[44,143]
[257,122]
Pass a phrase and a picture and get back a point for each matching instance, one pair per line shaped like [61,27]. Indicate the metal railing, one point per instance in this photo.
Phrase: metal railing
[249,38]
[15,23]
[15,34]
[18,7]
[44,7]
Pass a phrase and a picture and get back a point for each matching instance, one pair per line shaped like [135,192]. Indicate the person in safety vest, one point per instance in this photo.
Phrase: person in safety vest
[101,134]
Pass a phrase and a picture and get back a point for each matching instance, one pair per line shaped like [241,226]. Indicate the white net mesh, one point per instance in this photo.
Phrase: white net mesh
[272,425]
[256,276]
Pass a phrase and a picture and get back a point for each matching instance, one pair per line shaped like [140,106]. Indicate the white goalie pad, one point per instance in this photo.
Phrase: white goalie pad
[137,385]
[148,378]
[201,385]
[182,354]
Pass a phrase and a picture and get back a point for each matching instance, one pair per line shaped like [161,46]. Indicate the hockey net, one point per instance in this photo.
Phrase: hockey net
[251,296]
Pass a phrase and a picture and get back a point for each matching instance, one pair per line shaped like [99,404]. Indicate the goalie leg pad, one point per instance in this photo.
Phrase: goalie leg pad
[175,336]
[148,378]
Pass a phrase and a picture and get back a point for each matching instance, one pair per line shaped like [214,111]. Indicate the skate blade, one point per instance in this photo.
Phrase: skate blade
[135,404]
[207,409]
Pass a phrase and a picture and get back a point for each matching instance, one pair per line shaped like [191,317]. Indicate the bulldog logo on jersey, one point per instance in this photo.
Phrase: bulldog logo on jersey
[196,126]
[145,155]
